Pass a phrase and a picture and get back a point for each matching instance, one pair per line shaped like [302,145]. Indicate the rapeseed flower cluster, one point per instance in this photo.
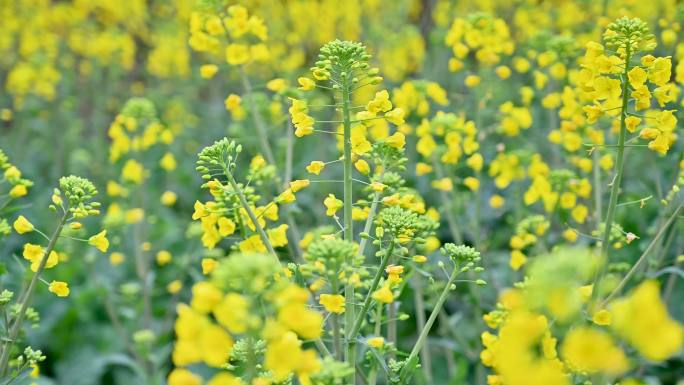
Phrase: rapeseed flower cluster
[528,348]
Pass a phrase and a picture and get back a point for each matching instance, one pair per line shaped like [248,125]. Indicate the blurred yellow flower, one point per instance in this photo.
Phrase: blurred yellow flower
[334,303]
[100,241]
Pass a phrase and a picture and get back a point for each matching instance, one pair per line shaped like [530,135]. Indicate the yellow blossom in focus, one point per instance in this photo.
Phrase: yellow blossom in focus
[18,191]
[300,184]
[22,225]
[59,288]
[33,252]
[332,204]
[315,167]
[52,260]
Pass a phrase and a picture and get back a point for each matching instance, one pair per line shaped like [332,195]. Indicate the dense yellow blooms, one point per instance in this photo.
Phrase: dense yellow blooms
[641,318]
[537,139]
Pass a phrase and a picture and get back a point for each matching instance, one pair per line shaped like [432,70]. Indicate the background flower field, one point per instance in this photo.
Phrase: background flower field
[341,192]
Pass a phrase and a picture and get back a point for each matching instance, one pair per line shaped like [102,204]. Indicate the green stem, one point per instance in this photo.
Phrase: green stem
[419,303]
[268,153]
[351,337]
[118,327]
[289,154]
[350,355]
[669,286]
[250,213]
[322,348]
[337,338]
[643,256]
[448,352]
[251,371]
[142,263]
[294,229]
[377,328]
[26,299]
[478,214]
[597,189]
[448,208]
[258,123]
[369,223]
[409,366]
[615,186]
[392,326]
[661,250]
[373,375]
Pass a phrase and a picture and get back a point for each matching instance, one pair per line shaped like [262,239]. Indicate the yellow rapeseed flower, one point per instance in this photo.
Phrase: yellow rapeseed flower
[591,351]
[116,258]
[208,265]
[641,318]
[163,257]
[22,225]
[315,167]
[383,295]
[376,342]
[334,303]
[59,288]
[208,71]
[100,241]
[332,204]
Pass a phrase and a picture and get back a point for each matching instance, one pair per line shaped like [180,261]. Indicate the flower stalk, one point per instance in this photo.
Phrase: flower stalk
[615,185]
[350,355]
[464,259]
[250,213]
[422,337]
[258,122]
[26,300]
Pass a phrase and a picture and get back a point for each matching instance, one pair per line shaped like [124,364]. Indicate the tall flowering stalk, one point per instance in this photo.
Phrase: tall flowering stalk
[613,81]
[220,158]
[402,225]
[464,259]
[345,62]
[73,200]
[344,65]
